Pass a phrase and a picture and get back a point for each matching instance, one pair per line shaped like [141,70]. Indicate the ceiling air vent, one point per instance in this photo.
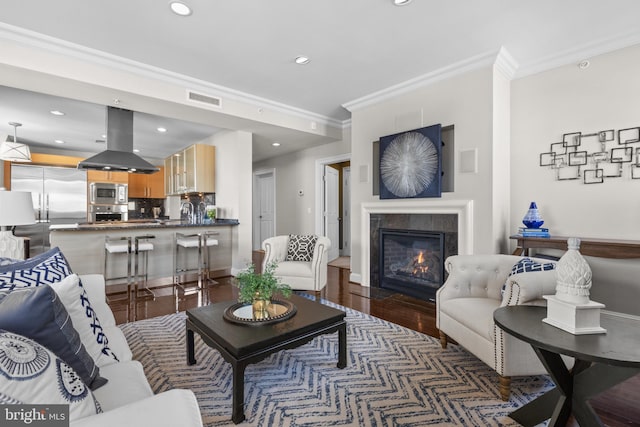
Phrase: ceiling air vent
[208,100]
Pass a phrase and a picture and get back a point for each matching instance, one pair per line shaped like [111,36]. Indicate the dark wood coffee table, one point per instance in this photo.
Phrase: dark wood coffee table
[601,361]
[242,345]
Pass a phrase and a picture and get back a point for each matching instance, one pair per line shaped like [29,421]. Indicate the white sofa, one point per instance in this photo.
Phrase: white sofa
[300,275]
[467,300]
[127,398]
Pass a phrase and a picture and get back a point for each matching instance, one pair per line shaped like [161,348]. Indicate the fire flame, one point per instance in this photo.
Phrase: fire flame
[419,266]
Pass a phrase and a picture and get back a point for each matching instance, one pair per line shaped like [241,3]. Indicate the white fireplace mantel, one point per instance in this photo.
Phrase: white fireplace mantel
[463,208]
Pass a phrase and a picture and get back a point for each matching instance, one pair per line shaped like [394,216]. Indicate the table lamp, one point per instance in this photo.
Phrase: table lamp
[16,208]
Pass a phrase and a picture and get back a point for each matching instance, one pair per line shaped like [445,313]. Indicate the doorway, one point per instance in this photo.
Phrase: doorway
[329,191]
[264,206]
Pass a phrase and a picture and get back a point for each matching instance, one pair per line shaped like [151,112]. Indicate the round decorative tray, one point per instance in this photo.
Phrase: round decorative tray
[242,313]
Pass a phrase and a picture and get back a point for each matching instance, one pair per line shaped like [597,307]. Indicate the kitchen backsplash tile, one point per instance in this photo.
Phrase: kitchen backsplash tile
[144,208]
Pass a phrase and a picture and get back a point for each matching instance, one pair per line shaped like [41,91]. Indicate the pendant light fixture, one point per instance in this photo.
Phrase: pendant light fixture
[14,151]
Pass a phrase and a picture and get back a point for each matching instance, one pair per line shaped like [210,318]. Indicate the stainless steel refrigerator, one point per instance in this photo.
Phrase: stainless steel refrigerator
[59,197]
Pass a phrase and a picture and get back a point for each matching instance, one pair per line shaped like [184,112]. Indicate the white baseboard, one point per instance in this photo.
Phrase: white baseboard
[356,278]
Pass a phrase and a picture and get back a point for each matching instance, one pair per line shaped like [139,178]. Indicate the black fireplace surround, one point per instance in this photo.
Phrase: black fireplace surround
[408,252]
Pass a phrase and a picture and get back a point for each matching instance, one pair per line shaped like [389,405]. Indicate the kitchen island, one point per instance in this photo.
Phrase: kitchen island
[83,244]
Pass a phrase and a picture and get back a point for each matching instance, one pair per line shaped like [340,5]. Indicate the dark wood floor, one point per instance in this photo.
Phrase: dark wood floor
[617,407]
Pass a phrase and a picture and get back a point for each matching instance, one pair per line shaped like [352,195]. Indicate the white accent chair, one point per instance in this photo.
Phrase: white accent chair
[465,306]
[300,275]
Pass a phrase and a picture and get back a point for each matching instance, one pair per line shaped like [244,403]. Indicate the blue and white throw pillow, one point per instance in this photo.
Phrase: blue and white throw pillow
[32,374]
[301,247]
[85,321]
[48,267]
[7,261]
[532,280]
[526,265]
[51,327]
[52,268]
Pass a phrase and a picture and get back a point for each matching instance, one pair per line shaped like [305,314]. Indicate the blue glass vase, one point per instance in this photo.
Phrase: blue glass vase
[532,219]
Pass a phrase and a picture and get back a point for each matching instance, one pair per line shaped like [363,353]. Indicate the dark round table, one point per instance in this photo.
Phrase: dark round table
[601,361]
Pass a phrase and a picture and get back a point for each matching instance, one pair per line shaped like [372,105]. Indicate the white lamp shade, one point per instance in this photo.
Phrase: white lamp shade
[16,208]
[15,152]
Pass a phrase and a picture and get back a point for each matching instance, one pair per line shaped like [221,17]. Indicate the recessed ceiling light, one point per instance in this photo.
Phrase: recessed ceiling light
[401,2]
[180,8]
[59,141]
[57,112]
[276,144]
[161,129]
[302,60]
[135,150]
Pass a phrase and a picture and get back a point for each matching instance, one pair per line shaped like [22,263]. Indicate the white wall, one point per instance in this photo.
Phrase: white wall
[465,101]
[568,99]
[296,171]
[233,188]
[501,103]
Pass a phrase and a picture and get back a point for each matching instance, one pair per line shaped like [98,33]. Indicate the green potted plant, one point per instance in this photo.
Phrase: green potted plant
[258,289]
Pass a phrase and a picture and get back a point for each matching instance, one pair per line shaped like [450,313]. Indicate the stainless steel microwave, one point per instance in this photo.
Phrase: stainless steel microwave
[106,193]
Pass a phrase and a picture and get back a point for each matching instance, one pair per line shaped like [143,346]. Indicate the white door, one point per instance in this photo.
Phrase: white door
[346,212]
[331,214]
[264,222]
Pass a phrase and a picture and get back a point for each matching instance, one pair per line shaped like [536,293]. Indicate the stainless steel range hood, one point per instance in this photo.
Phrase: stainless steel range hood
[119,153]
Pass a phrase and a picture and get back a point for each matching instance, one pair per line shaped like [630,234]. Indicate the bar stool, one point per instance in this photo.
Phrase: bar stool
[203,242]
[142,246]
[117,245]
[123,245]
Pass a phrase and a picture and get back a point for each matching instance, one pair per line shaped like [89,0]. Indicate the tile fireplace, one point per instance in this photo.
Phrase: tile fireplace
[411,261]
[408,252]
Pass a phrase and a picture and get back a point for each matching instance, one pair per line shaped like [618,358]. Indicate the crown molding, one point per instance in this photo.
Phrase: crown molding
[574,56]
[97,57]
[505,64]
[473,63]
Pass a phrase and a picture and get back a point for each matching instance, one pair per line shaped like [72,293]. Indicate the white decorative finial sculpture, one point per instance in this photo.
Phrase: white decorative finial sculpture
[570,308]
[573,275]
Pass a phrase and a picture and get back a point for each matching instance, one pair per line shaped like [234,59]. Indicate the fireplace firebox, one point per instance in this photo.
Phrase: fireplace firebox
[412,262]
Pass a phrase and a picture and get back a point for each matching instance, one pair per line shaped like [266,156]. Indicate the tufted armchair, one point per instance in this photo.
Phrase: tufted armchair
[300,275]
[467,300]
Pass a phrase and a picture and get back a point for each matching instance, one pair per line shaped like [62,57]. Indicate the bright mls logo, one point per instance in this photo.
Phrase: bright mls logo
[35,415]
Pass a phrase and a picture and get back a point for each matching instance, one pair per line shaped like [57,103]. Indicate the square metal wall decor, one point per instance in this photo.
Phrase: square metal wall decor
[594,156]
[411,164]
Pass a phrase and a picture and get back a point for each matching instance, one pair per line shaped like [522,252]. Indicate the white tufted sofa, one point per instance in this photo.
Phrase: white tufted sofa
[465,306]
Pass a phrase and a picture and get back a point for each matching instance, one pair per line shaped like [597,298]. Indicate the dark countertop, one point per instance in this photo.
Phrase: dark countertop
[137,223]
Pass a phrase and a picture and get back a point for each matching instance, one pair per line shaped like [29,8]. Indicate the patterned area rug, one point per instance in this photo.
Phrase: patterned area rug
[395,377]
